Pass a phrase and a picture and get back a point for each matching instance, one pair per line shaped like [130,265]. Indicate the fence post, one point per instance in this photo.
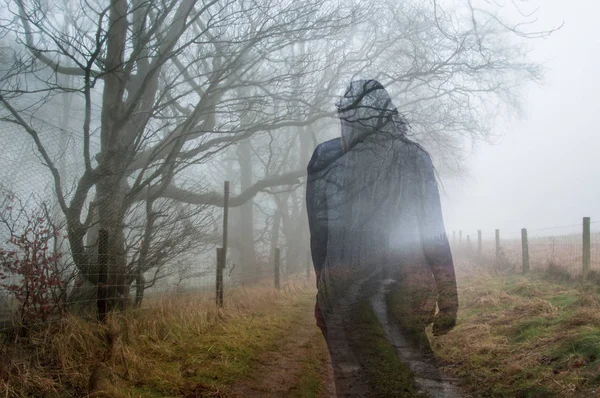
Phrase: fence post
[308,258]
[219,284]
[276,266]
[525,247]
[479,245]
[225,221]
[586,255]
[222,251]
[102,299]
[497,244]
[453,237]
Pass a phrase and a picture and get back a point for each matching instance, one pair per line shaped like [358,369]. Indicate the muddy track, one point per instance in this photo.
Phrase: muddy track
[282,371]
[352,382]
[428,377]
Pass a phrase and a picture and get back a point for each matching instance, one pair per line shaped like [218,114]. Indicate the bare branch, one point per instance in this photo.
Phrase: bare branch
[39,54]
[216,199]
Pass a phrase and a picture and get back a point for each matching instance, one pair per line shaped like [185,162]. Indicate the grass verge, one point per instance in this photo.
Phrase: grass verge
[179,347]
[524,336]
[388,376]
[312,380]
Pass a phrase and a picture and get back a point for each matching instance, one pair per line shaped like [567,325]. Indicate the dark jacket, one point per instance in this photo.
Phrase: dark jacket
[374,209]
[318,167]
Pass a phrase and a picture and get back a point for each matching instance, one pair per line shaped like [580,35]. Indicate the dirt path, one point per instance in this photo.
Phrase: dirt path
[428,376]
[297,367]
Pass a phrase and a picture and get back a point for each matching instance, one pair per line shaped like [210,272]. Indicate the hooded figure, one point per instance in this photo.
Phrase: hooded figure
[374,215]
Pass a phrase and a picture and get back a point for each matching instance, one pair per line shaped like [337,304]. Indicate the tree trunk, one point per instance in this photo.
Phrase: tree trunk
[248,261]
[295,218]
[274,236]
[110,194]
[140,287]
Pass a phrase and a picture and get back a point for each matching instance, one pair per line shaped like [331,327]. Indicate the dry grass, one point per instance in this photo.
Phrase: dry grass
[174,346]
[524,336]
[560,253]
[517,336]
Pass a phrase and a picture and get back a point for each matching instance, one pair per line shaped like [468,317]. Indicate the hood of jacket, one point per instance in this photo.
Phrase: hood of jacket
[365,109]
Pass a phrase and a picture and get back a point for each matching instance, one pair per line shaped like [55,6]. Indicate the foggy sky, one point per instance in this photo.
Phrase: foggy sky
[545,169]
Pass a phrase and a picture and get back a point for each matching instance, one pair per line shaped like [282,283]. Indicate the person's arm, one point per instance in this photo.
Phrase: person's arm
[316,207]
[437,249]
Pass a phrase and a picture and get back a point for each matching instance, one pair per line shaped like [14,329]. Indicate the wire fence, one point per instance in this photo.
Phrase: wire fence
[46,290]
[158,249]
[570,249]
[161,251]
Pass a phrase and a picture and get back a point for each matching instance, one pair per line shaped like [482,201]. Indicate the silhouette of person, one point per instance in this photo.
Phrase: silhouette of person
[375,219]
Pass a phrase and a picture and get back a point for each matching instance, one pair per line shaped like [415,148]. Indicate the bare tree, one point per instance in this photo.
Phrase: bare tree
[166,86]
[163,81]
[452,72]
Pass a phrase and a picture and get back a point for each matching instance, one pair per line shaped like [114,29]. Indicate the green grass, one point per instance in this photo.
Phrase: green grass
[530,329]
[213,359]
[177,347]
[311,383]
[388,376]
[517,336]
[524,336]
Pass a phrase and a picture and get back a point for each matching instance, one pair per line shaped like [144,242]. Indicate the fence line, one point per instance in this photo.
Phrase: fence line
[577,254]
[46,290]
[96,302]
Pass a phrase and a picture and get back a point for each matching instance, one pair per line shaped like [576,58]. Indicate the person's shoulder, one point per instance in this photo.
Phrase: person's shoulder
[328,147]
[324,154]
[415,149]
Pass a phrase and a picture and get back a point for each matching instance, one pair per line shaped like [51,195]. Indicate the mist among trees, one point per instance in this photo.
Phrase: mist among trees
[137,111]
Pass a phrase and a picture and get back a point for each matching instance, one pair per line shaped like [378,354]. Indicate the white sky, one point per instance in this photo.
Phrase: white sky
[545,171]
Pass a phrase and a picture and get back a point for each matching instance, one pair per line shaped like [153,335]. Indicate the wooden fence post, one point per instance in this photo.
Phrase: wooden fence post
[525,247]
[497,244]
[102,298]
[479,243]
[219,296]
[276,268]
[222,251]
[587,247]
[225,221]
[308,258]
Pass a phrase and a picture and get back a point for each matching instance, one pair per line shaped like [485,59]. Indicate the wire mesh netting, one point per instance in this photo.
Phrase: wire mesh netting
[558,248]
[157,250]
